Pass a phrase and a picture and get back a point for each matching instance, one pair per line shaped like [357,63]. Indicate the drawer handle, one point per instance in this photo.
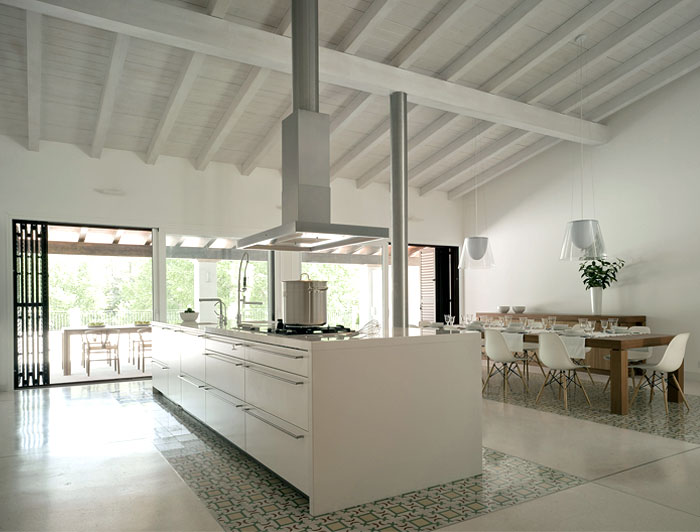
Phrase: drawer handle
[183,378]
[218,396]
[285,355]
[288,381]
[223,358]
[163,366]
[281,429]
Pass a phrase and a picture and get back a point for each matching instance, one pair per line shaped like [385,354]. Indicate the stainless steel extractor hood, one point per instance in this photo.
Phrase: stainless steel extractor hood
[306,191]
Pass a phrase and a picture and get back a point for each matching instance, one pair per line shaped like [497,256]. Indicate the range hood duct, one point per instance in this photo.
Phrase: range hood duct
[306,191]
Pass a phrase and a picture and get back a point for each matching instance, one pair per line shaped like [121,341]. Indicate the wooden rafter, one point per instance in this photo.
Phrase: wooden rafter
[109,93]
[219,8]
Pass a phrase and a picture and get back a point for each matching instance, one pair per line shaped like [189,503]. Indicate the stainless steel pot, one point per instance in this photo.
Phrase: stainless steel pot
[305,301]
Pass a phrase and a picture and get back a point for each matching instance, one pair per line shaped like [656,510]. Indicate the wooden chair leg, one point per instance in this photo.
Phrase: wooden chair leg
[678,387]
[663,389]
[537,359]
[566,388]
[582,388]
[636,390]
[607,383]
[547,377]
[488,377]
[653,380]
[522,378]
[590,376]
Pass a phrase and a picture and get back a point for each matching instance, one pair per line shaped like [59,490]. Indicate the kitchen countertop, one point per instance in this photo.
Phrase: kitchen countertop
[303,341]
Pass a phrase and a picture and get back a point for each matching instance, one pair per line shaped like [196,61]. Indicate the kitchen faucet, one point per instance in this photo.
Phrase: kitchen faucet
[223,321]
[242,288]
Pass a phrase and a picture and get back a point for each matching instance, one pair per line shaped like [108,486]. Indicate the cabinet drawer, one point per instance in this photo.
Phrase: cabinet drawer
[282,394]
[192,355]
[224,372]
[284,358]
[231,346]
[174,385]
[160,376]
[193,396]
[225,415]
[281,447]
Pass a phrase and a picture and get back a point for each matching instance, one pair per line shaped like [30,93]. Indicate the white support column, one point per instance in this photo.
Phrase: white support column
[160,301]
[205,286]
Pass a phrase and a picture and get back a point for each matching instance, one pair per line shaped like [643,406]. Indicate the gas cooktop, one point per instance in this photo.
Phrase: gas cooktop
[289,330]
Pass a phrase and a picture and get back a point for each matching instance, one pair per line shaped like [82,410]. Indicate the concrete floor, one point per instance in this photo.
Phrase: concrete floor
[74,458]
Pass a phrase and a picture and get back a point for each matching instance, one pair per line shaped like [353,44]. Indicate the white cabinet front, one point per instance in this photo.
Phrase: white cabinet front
[193,396]
[225,415]
[281,394]
[160,376]
[192,354]
[284,358]
[225,373]
[282,448]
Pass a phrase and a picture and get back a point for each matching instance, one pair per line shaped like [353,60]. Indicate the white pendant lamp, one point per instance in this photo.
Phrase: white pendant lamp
[476,252]
[583,239]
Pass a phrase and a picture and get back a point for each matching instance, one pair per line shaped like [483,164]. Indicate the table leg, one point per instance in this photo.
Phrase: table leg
[674,395]
[66,353]
[619,400]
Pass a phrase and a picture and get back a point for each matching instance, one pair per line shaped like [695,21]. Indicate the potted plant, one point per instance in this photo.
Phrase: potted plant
[189,315]
[597,275]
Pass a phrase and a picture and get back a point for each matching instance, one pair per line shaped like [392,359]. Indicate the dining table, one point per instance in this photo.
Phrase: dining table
[618,345]
[68,332]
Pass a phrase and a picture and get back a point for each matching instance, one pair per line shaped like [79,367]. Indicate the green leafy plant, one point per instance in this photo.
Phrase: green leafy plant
[600,272]
[189,310]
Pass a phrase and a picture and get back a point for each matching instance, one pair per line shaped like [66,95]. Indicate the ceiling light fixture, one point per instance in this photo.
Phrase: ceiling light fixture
[476,252]
[110,191]
[583,239]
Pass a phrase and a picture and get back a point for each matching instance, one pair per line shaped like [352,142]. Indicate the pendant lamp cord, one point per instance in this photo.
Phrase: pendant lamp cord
[580,40]
[476,189]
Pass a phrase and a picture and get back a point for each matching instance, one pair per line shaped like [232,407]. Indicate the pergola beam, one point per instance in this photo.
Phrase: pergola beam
[34,67]
[219,8]
[177,27]
[109,93]
[176,101]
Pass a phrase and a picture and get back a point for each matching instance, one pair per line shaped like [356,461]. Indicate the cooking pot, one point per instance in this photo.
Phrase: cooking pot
[305,301]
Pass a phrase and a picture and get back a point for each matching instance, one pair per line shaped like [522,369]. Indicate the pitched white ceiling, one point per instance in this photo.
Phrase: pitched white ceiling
[486,78]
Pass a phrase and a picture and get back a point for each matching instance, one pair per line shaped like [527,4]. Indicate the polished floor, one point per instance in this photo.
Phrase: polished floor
[110,457]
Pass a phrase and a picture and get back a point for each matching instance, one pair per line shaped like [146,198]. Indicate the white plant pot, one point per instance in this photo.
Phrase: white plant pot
[596,300]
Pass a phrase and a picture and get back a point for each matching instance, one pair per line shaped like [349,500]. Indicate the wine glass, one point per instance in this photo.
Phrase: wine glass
[508,320]
[582,322]
[590,326]
[552,322]
[604,326]
[613,323]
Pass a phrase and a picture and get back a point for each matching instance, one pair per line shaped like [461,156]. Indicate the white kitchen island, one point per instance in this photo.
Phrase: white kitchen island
[346,420]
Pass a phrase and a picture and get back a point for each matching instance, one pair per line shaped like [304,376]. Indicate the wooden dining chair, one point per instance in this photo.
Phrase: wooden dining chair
[143,346]
[100,343]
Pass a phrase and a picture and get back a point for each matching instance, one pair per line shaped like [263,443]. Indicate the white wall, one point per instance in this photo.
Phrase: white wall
[57,184]
[647,193]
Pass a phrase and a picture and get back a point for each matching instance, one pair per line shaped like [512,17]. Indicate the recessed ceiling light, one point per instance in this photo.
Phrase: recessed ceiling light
[110,191]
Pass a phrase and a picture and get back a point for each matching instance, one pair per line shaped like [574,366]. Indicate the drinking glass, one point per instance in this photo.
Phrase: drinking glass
[508,320]
[604,325]
[590,326]
[552,321]
[613,323]
[582,322]
[449,320]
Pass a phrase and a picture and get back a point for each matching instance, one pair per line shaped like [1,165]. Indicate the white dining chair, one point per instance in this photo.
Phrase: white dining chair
[502,358]
[562,370]
[669,362]
[579,355]
[635,355]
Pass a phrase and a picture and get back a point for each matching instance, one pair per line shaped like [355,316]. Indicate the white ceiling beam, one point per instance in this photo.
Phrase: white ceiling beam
[109,94]
[640,90]
[502,167]
[634,64]
[426,133]
[615,40]
[489,151]
[653,83]
[464,139]
[498,33]
[255,79]
[174,26]
[565,33]
[34,44]
[445,17]
[618,38]
[273,136]
[343,117]
[178,95]
[253,82]
[377,135]
[374,15]
[219,8]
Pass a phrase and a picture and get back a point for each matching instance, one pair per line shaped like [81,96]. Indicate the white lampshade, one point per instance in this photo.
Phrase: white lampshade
[476,253]
[583,241]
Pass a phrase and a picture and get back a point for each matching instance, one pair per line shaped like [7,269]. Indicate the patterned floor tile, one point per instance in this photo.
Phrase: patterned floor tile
[244,495]
[650,418]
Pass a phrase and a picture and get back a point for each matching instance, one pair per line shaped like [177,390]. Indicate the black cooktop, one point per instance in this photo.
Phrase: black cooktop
[289,330]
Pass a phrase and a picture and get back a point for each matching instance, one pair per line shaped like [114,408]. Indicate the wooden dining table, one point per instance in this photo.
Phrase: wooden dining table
[68,332]
[618,346]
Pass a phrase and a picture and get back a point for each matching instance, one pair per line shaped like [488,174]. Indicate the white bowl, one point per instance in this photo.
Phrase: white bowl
[503,309]
[189,316]
[518,309]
